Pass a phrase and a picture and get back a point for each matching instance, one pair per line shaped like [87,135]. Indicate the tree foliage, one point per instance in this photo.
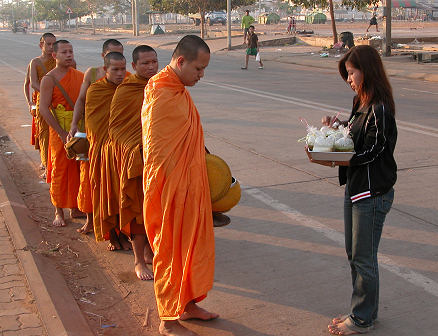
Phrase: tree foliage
[21,10]
[57,9]
[195,6]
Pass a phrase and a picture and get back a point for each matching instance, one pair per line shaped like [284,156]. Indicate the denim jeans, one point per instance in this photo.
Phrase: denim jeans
[363,222]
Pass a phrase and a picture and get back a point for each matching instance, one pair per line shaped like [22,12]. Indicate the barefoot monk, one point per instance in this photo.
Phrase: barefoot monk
[177,204]
[59,90]
[97,112]
[125,137]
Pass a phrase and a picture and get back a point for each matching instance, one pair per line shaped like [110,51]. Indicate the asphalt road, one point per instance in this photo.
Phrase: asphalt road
[280,265]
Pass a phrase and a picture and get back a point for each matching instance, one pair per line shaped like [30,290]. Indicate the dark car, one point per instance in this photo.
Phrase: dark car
[216,17]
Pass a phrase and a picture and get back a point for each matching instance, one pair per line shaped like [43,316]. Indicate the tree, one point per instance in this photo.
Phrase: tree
[359,4]
[56,10]
[196,6]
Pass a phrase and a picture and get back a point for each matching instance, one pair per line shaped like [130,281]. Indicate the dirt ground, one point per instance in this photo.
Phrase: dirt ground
[103,283]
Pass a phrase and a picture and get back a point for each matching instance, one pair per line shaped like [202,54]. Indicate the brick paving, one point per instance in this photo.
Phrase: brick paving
[18,311]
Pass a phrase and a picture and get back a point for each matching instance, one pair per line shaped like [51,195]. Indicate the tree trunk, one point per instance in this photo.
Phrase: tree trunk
[332,16]
[93,24]
[202,12]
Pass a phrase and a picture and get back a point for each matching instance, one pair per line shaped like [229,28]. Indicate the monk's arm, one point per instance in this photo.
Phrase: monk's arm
[46,93]
[26,87]
[34,82]
[79,109]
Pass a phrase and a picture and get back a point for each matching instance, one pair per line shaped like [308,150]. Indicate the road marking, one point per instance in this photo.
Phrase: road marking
[12,67]
[404,125]
[421,91]
[417,279]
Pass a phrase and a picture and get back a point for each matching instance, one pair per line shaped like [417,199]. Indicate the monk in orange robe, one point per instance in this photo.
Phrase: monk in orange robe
[56,107]
[97,113]
[38,68]
[125,139]
[177,204]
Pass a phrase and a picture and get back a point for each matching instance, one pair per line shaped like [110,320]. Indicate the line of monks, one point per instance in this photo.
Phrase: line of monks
[145,181]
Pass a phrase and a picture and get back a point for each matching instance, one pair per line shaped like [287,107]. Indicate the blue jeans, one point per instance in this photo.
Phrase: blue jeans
[363,222]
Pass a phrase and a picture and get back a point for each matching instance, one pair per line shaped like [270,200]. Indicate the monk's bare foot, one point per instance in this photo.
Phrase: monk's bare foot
[114,241]
[42,167]
[193,311]
[174,328]
[142,272]
[88,226]
[59,218]
[339,319]
[44,174]
[126,244]
[75,213]
[347,328]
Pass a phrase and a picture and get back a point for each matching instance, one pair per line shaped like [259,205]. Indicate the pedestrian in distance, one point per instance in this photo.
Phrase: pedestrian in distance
[292,25]
[253,48]
[247,21]
[373,21]
[369,178]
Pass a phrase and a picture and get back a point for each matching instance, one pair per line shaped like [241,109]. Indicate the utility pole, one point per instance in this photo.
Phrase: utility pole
[33,15]
[229,24]
[134,14]
[388,38]
[137,25]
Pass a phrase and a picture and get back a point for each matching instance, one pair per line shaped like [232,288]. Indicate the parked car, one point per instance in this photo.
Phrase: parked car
[216,17]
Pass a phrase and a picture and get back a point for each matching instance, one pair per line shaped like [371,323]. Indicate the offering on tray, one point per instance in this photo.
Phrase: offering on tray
[345,143]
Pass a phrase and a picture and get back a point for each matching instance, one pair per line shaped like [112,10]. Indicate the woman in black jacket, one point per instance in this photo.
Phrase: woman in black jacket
[369,178]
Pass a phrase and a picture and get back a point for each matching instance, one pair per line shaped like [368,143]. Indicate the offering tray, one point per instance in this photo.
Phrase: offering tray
[331,156]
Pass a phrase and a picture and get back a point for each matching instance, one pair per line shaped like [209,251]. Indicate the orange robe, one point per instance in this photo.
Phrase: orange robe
[125,138]
[97,111]
[177,204]
[64,174]
[42,128]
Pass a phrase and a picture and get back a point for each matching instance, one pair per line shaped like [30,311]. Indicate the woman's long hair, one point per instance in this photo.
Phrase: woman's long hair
[375,87]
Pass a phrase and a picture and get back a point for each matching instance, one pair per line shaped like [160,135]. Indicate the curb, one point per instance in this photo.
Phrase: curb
[57,308]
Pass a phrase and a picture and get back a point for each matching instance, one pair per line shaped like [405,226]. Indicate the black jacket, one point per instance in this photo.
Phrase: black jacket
[372,170]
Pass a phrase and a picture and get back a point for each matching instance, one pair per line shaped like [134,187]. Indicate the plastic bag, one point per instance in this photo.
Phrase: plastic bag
[258,57]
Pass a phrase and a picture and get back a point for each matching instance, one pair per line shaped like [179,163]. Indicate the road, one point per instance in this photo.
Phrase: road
[280,265]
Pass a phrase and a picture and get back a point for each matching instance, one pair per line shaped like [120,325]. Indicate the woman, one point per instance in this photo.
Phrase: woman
[369,178]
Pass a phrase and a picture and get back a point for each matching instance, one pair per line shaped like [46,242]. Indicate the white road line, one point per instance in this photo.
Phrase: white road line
[407,126]
[417,279]
[421,91]
[12,67]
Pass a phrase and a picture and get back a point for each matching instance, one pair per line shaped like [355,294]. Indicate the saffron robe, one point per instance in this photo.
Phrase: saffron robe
[97,111]
[64,174]
[177,204]
[125,136]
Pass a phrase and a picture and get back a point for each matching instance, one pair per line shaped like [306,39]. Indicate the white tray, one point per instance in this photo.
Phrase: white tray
[331,156]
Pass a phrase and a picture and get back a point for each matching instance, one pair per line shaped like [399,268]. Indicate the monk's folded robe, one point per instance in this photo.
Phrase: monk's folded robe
[64,174]
[42,127]
[125,136]
[97,111]
[177,204]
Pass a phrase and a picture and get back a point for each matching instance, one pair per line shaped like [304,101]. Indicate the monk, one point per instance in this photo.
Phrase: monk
[97,114]
[177,204]
[56,107]
[125,137]
[38,68]
[91,75]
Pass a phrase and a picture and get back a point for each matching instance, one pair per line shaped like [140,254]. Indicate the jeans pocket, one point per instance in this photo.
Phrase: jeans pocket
[387,200]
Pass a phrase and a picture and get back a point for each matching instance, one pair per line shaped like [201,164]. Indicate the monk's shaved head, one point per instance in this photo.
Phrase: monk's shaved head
[46,35]
[110,42]
[57,43]
[141,49]
[189,47]
[115,56]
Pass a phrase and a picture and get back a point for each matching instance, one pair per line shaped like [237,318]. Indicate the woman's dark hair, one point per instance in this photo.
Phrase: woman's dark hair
[375,87]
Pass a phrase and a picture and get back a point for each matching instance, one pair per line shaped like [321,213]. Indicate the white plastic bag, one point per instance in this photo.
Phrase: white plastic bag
[258,57]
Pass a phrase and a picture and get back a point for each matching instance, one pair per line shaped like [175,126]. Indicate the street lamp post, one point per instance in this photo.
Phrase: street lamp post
[229,24]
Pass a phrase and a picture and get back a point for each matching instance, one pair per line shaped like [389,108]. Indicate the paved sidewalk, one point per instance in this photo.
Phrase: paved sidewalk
[18,312]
